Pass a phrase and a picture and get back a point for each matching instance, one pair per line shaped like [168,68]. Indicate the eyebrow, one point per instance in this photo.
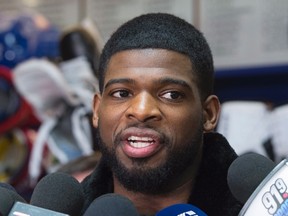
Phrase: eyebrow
[121,80]
[165,80]
[168,80]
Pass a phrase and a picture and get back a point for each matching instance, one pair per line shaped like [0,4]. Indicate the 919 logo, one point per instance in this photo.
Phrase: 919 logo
[276,200]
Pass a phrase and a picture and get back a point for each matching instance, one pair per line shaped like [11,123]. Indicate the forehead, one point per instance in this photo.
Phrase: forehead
[158,61]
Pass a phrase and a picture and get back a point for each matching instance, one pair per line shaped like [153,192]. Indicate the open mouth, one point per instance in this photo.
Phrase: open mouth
[140,142]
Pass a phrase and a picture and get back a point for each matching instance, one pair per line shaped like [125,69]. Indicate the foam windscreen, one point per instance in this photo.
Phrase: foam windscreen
[59,192]
[112,205]
[246,173]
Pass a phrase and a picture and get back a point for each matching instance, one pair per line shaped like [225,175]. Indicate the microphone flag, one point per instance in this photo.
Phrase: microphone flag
[181,210]
[271,196]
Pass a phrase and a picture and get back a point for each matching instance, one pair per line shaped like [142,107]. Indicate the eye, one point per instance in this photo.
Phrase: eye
[121,94]
[172,95]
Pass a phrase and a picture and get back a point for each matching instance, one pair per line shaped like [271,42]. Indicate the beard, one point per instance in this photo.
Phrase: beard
[144,179]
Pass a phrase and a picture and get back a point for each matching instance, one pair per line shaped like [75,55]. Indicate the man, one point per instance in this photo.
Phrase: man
[156,114]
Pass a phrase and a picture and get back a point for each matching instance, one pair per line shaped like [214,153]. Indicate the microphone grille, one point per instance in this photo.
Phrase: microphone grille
[111,204]
[246,173]
[6,201]
[8,196]
[7,186]
[59,192]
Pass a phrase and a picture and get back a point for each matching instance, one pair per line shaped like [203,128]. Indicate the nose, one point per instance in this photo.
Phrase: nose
[144,107]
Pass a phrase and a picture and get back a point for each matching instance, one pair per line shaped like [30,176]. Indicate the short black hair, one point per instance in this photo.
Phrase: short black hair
[163,31]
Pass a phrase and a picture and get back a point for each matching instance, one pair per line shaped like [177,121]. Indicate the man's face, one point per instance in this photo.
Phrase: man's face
[150,118]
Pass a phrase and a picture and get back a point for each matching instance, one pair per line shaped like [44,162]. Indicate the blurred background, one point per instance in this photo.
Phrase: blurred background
[49,53]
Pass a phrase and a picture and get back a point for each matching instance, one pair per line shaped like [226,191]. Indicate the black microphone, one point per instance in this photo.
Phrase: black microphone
[181,209]
[59,192]
[111,204]
[8,196]
[56,194]
[7,186]
[260,184]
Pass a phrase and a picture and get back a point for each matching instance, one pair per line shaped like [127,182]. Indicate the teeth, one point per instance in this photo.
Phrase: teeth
[140,142]
[146,139]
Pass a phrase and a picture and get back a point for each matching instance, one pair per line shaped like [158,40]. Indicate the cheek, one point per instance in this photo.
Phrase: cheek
[188,124]
[108,123]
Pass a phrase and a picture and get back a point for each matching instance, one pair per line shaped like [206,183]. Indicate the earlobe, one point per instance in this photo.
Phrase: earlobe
[96,105]
[211,113]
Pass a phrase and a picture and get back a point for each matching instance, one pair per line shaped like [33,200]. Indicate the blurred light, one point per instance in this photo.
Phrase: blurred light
[31,3]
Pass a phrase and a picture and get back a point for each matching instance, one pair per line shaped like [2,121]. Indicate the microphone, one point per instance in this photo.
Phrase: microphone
[6,201]
[56,194]
[59,192]
[181,210]
[260,184]
[8,196]
[22,209]
[111,204]
[7,186]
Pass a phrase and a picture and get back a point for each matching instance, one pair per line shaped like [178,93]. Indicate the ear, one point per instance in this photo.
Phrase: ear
[96,105]
[211,112]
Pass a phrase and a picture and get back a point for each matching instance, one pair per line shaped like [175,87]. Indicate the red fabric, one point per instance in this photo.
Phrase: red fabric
[24,115]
